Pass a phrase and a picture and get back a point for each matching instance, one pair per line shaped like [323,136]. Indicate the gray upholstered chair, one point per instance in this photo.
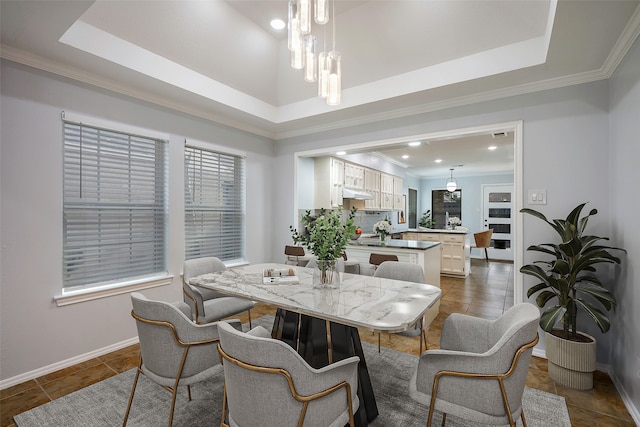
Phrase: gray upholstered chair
[268,384]
[407,272]
[174,351]
[480,370]
[206,305]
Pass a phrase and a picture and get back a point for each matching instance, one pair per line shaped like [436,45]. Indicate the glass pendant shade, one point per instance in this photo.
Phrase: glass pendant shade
[311,66]
[333,64]
[304,15]
[297,57]
[293,24]
[321,12]
[452,184]
[323,75]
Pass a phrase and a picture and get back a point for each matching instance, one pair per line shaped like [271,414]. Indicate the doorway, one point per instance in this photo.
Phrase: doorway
[497,214]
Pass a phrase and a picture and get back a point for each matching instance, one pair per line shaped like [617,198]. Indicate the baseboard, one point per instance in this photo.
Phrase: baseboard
[628,402]
[36,373]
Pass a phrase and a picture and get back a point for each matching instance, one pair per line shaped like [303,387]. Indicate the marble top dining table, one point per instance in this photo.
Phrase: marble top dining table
[372,303]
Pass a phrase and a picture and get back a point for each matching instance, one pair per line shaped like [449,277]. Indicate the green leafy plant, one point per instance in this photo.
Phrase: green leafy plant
[571,276]
[327,235]
[426,221]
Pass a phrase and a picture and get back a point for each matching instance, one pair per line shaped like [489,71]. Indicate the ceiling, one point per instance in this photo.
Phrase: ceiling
[221,61]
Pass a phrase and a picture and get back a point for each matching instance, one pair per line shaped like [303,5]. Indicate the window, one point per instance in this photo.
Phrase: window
[214,193]
[114,207]
[445,204]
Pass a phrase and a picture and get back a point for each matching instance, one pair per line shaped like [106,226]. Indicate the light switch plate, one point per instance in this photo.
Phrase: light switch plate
[537,197]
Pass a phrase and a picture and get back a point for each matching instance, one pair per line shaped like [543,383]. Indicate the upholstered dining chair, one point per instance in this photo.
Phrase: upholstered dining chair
[174,351]
[483,241]
[480,370]
[268,377]
[207,305]
[409,273]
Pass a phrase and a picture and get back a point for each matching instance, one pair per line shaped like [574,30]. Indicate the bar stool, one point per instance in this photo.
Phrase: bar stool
[377,259]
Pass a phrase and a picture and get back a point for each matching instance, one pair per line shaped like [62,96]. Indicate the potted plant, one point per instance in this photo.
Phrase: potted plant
[325,236]
[426,221]
[569,281]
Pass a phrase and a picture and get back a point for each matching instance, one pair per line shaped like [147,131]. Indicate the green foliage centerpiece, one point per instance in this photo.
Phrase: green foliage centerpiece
[325,236]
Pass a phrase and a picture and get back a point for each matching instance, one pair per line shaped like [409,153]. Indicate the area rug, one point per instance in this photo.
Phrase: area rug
[104,403]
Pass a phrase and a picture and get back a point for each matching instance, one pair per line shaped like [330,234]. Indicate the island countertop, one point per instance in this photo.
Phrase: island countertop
[395,243]
[436,230]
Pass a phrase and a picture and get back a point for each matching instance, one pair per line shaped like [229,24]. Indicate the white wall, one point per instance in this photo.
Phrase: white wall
[625,211]
[565,140]
[35,333]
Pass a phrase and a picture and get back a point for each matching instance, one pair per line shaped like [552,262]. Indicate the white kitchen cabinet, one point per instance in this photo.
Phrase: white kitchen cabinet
[398,189]
[329,182]
[372,186]
[455,248]
[386,191]
[354,176]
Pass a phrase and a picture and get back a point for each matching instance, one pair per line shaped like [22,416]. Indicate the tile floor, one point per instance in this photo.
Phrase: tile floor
[486,293]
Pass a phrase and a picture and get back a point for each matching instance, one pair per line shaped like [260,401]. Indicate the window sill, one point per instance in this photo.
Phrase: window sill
[111,290]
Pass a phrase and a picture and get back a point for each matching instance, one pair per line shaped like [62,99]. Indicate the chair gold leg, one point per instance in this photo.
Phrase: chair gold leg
[524,422]
[249,313]
[444,418]
[133,390]
[189,392]
[174,394]
[378,342]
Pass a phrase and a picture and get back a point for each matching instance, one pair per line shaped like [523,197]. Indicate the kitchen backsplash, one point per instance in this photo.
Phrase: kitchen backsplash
[365,219]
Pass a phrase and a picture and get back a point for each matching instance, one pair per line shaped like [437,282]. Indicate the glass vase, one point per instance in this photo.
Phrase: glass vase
[383,238]
[326,274]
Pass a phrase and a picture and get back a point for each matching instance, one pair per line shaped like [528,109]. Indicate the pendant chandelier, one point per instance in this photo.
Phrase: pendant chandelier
[324,67]
[452,184]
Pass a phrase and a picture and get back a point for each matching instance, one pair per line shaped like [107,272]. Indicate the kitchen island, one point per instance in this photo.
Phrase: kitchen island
[425,254]
[456,248]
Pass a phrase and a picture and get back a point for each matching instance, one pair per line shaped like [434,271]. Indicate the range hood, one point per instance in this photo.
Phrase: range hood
[348,193]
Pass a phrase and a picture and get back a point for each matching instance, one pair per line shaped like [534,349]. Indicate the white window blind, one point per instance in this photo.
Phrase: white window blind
[214,204]
[115,206]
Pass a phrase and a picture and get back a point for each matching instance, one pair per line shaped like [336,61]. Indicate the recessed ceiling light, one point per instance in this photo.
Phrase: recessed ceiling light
[414,143]
[492,147]
[277,24]
[341,153]
[405,156]
[438,160]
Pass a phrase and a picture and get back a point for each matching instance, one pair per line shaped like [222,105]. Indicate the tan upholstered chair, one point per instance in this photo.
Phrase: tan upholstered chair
[174,351]
[480,370]
[268,384]
[483,241]
[207,305]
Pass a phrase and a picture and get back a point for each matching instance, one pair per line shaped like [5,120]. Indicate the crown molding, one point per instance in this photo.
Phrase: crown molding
[37,62]
[622,46]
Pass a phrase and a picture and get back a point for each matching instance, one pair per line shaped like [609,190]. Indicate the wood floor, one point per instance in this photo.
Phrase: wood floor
[486,293]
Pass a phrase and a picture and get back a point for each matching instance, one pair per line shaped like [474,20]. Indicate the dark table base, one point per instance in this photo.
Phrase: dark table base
[310,337]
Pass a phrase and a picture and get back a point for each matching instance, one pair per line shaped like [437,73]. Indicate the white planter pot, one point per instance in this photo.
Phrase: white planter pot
[571,363]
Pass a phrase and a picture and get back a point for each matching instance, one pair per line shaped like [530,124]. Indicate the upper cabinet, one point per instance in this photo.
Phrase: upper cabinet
[332,176]
[398,187]
[354,176]
[386,189]
[372,186]
[329,182]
